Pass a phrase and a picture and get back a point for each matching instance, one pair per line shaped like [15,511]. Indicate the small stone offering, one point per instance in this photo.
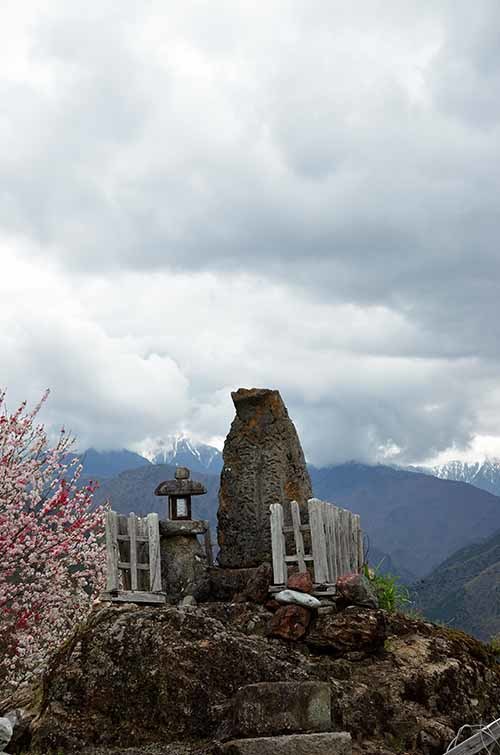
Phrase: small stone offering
[297,598]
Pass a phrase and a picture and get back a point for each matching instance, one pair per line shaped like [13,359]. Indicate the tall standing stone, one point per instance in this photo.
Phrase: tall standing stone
[263,464]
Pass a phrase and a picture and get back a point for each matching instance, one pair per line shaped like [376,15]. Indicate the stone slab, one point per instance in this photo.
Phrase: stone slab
[172,528]
[336,743]
[271,708]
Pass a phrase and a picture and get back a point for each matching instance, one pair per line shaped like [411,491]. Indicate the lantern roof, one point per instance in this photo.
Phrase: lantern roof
[182,485]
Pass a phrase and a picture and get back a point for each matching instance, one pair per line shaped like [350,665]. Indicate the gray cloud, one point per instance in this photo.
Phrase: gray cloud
[302,196]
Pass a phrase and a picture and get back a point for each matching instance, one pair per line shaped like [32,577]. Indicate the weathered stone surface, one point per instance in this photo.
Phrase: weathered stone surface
[265,709]
[297,598]
[257,587]
[356,629]
[263,464]
[248,618]
[302,582]
[290,622]
[226,583]
[139,675]
[183,565]
[355,589]
[161,681]
[337,743]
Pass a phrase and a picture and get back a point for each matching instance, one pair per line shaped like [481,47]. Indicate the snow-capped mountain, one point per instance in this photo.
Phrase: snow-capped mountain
[180,450]
[483,474]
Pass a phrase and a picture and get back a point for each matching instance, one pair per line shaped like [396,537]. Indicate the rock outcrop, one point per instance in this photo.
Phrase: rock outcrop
[165,680]
[263,464]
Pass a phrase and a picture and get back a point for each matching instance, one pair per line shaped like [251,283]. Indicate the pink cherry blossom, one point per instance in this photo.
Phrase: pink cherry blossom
[51,543]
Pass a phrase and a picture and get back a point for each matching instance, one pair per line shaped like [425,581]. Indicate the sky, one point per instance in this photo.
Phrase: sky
[302,195]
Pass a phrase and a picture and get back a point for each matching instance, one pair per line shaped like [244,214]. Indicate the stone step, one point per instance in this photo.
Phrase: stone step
[271,708]
[332,743]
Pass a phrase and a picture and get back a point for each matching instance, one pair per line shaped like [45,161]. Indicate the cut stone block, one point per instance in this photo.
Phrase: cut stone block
[282,708]
[338,743]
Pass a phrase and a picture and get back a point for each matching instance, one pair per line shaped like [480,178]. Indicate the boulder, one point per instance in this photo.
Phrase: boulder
[264,709]
[135,675]
[297,598]
[290,622]
[301,581]
[338,743]
[263,464]
[356,590]
[352,630]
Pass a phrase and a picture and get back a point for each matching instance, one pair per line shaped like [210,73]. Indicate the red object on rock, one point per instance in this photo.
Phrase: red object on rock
[301,582]
[290,622]
[356,590]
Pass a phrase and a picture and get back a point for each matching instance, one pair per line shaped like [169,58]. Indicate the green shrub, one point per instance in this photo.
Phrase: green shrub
[494,644]
[391,595]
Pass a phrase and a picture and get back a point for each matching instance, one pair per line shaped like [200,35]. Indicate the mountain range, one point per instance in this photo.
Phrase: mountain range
[181,450]
[483,474]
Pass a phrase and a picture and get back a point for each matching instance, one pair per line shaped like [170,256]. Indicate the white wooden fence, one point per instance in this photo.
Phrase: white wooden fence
[336,542]
[133,558]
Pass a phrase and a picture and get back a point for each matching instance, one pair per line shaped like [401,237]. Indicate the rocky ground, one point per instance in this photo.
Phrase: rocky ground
[144,680]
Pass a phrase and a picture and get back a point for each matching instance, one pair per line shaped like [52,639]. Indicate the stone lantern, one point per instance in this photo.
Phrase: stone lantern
[183,559]
[179,492]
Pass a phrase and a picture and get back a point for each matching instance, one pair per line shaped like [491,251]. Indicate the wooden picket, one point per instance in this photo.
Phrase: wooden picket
[133,558]
[336,542]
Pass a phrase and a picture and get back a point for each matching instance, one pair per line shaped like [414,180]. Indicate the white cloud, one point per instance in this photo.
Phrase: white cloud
[300,196]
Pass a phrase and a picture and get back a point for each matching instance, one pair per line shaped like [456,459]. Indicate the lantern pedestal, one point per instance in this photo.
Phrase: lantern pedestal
[183,558]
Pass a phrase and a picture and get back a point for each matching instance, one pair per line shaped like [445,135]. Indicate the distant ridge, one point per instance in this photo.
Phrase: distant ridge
[464,590]
[103,464]
[483,474]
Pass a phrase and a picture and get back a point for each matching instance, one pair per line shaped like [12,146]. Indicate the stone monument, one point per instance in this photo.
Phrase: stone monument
[263,464]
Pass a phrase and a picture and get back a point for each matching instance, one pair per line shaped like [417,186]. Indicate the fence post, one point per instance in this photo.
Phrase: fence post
[318,541]
[329,511]
[358,541]
[278,544]
[112,551]
[154,553]
[132,533]
[299,541]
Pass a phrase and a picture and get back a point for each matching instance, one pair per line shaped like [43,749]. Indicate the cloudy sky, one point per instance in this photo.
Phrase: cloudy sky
[300,194]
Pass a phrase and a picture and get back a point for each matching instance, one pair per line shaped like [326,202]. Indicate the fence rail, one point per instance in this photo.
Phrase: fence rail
[336,542]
